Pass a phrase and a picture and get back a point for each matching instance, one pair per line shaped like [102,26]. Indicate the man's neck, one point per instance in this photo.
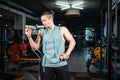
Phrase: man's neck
[52,27]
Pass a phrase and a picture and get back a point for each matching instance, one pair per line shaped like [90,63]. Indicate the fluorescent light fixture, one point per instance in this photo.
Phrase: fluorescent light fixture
[61,4]
[70,5]
[78,7]
[77,4]
[65,8]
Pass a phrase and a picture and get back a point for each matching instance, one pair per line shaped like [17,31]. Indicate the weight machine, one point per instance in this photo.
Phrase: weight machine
[109,46]
[3,53]
[4,56]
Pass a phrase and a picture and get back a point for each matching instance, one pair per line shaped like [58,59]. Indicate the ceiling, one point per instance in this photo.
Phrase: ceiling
[38,6]
[89,16]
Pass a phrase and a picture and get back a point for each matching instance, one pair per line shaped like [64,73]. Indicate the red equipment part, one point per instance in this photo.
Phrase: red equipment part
[13,49]
[14,53]
[23,48]
[14,58]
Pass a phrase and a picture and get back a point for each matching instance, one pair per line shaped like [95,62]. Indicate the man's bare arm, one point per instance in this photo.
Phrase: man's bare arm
[34,44]
[68,36]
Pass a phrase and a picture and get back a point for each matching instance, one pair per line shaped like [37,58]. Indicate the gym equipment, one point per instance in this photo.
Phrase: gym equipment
[11,77]
[88,62]
[97,62]
[3,53]
[95,58]
[4,56]
[97,52]
[17,51]
[23,48]
[89,59]
[30,59]
[13,50]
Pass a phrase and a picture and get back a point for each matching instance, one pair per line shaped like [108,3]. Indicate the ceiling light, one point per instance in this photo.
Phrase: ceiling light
[77,7]
[70,5]
[65,8]
[77,4]
[61,4]
[72,12]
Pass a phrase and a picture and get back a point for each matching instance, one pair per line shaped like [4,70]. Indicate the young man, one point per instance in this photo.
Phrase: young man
[53,44]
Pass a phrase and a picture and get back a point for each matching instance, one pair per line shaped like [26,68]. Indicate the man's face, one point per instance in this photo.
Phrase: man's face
[45,21]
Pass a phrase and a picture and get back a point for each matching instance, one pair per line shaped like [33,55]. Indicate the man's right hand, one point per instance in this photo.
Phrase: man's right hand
[28,32]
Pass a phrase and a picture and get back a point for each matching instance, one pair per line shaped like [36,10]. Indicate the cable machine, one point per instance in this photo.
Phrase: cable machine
[112,48]
[3,54]
[116,41]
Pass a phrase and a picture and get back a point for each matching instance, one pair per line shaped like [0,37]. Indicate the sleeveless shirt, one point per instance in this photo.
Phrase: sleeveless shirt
[53,47]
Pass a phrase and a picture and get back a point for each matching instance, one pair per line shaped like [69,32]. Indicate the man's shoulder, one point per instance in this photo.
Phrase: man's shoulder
[63,28]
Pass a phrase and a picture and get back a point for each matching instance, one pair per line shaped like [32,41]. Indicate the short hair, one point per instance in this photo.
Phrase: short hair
[50,14]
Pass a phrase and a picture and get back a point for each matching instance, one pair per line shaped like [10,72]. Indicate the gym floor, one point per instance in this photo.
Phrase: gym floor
[77,66]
